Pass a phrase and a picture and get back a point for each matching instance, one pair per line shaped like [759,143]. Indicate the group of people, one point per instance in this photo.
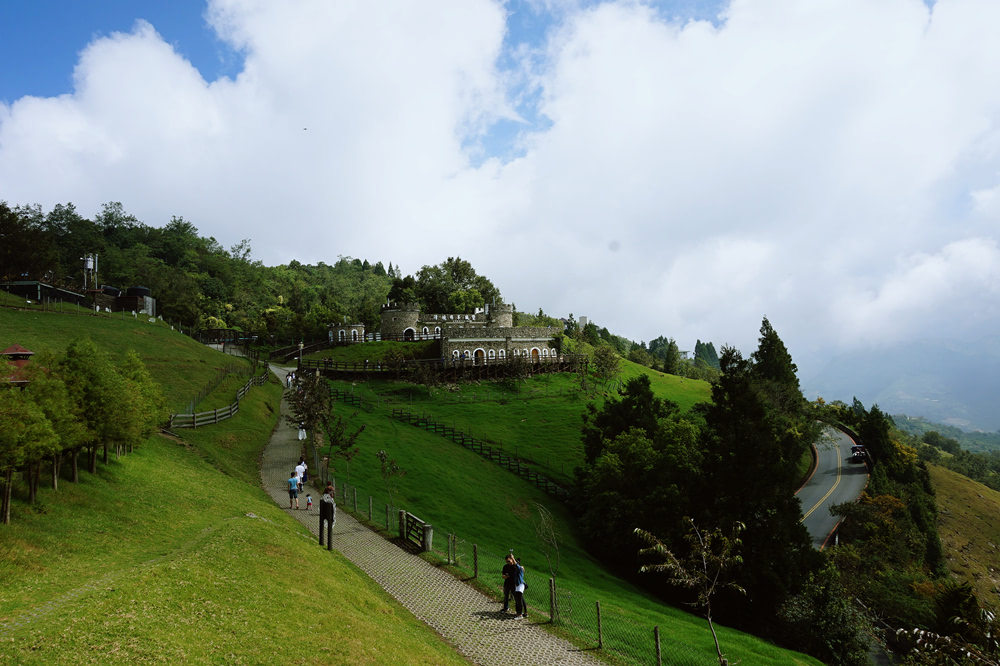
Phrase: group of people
[513,584]
[297,483]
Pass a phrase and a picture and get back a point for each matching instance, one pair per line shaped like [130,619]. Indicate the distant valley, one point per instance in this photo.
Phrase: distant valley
[944,381]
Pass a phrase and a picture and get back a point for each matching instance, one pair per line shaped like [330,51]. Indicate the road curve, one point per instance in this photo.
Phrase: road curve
[835,481]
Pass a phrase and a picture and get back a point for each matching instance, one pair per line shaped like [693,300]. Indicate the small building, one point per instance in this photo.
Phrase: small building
[18,357]
[345,333]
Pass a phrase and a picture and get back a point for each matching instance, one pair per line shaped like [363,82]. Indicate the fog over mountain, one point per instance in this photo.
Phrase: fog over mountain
[941,380]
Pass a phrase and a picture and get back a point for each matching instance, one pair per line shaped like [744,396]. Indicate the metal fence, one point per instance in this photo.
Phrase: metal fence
[622,633]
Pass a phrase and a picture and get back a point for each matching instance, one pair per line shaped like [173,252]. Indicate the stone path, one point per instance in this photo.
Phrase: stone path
[463,616]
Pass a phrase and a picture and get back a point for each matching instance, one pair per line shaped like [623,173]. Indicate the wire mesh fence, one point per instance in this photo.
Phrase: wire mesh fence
[620,632]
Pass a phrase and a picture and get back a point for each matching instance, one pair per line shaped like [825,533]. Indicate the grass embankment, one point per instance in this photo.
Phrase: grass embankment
[154,560]
[970,534]
[179,364]
[461,493]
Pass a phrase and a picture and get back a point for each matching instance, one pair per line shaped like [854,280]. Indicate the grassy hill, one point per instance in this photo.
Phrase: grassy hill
[969,531]
[156,558]
[461,493]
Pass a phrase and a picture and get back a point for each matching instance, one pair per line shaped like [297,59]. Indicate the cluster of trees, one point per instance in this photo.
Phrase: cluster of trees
[74,402]
[200,284]
[734,460]
[737,462]
[451,287]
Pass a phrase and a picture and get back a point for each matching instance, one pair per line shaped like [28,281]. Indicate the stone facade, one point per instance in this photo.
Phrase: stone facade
[487,335]
[346,332]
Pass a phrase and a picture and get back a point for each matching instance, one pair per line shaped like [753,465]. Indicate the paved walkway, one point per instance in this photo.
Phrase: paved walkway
[463,616]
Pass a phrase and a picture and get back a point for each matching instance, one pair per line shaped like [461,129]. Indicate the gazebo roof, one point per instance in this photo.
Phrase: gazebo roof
[16,350]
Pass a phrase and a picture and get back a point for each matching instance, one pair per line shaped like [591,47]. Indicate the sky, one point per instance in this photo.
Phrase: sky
[664,168]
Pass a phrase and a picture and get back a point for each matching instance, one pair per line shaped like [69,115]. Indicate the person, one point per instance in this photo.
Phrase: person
[520,607]
[309,502]
[302,431]
[288,380]
[300,473]
[305,470]
[508,574]
[330,489]
[293,490]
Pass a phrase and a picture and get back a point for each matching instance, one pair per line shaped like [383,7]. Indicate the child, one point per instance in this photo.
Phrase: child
[309,502]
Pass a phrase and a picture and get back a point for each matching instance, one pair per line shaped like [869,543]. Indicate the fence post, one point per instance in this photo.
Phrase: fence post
[428,537]
[552,599]
[386,516]
[355,500]
[475,560]
[369,508]
[402,524]
[659,656]
[600,633]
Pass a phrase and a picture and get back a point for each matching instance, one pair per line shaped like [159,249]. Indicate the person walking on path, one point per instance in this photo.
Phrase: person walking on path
[293,490]
[300,472]
[509,575]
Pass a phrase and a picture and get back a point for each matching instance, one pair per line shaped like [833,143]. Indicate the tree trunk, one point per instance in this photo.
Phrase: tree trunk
[56,465]
[5,504]
[105,454]
[93,460]
[76,466]
[29,476]
[35,480]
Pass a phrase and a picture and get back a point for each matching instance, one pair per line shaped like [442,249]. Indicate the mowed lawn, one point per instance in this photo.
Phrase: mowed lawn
[174,553]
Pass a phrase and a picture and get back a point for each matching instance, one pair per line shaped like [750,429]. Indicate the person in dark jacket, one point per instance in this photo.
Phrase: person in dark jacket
[509,573]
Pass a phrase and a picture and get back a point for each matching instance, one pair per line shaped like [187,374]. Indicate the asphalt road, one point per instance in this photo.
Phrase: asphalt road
[835,481]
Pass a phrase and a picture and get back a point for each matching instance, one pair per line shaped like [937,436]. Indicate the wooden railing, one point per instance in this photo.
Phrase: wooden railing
[505,460]
[221,414]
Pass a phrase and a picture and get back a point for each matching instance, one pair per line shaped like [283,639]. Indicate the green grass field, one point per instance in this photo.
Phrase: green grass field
[179,364]
[154,559]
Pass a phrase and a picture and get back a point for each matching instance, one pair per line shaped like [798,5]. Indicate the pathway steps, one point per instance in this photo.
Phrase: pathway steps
[464,617]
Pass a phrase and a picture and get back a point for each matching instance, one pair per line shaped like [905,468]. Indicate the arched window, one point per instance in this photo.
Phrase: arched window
[354,335]
[437,330]
[341,335]
[502,354]
[425,330]
[454,354]
[493,354]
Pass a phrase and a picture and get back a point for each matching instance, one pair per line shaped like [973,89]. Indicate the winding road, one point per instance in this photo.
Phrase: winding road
[836,480]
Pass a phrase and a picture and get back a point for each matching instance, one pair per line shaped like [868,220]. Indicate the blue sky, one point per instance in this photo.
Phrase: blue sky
[645,164]
[44,38]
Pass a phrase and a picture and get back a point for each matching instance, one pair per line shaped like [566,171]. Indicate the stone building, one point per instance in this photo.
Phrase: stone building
[484,336]
[346,332]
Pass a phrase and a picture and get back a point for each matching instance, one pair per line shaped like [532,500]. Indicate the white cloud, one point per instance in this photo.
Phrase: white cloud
[814,162]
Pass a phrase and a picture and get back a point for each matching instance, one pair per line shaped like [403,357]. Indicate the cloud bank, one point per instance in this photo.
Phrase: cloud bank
[833,165]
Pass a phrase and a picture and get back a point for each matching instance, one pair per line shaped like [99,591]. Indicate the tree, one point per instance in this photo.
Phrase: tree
[25,434]
[50,393]
[341,439]
[607,362]
[758,429]
[101,392]
[309,402]
[391,473]
[151,406]
[638,408]
[548,536]
[711,557]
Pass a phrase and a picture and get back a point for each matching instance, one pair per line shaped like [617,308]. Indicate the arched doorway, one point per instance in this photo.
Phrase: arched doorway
[480,356]
[408,334]
[534,355]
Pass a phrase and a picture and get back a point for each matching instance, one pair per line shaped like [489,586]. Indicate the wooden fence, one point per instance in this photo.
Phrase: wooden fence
[498,456]
[449,370]
[216,415]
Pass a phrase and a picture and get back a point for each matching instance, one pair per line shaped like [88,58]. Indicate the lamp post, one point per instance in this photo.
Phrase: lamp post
[301,345]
